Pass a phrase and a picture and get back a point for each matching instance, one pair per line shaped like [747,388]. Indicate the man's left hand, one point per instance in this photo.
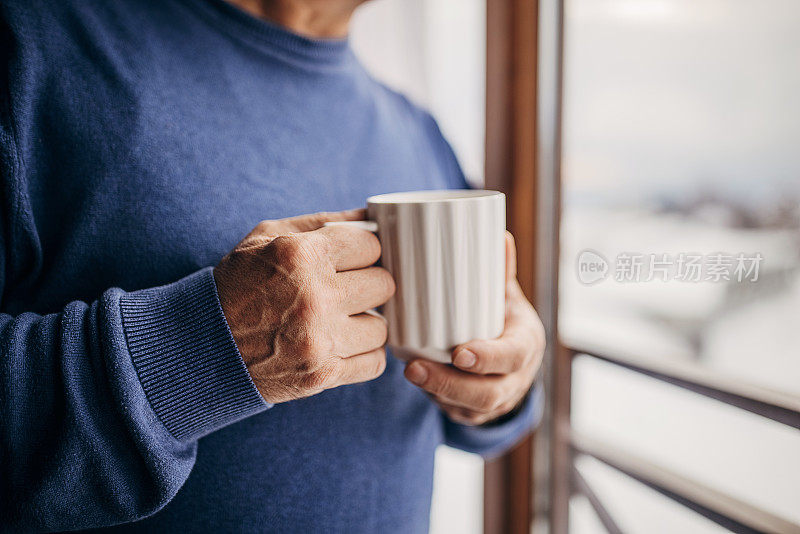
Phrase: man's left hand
[489,377]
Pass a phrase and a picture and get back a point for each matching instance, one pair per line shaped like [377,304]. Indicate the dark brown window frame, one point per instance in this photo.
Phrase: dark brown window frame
[523,151]
[522,159]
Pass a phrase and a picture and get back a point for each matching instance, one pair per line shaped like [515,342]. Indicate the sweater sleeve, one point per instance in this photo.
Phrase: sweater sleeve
[101,404]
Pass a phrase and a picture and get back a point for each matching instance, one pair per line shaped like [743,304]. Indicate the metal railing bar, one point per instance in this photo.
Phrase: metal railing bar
[583,487]
[719,507]
[779,406]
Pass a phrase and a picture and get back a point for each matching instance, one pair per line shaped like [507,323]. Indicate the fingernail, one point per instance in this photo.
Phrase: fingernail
[416,373]
[465,359]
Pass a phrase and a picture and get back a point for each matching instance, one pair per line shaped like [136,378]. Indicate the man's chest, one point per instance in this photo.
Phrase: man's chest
[174,189]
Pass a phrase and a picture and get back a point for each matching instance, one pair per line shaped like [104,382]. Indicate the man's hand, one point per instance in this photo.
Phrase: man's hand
[295,295]
[489,378]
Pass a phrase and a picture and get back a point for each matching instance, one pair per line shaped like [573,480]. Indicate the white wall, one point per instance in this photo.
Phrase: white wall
[434,52]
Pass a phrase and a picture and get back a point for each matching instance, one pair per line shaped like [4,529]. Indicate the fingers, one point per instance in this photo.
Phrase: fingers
[465,416]
[364,289]
[511,257]
[361,333]
[314,221]
[349,247]
[522,342]
[455,387]
[265,230]
[362,367]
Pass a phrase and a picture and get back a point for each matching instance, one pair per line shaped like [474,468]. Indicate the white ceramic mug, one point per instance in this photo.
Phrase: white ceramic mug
[446,252]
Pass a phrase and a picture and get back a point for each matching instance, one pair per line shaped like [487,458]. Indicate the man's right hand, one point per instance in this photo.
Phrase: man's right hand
[295,294]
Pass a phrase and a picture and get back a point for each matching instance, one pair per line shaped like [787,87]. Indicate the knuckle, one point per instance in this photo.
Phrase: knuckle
[539,333]
[458,416]
[379,366]
[506,407]
[517,363]
[521,352]
[466,417]
[440,385]
[383,332]
[319,378]
[492,398]
[537,337]
[316,347]
[283,248]
[541,344]
[321,217]
[288,251]
[310,347]
[374,245]
[263,227]
[476,419]
[375,332]
[388,286]
[305,366]
[308,306]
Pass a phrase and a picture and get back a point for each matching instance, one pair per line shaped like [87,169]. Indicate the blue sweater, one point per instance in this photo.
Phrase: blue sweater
[139,142]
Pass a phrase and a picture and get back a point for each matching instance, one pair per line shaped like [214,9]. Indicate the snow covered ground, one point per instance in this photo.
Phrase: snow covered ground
[748,331]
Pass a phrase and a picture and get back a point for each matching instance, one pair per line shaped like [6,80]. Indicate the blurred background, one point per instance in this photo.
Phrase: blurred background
[680,134]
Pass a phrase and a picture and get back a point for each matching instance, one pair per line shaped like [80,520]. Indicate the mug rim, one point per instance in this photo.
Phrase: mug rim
[433,196]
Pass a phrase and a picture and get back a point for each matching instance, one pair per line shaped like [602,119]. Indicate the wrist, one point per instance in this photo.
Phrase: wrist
[513,412]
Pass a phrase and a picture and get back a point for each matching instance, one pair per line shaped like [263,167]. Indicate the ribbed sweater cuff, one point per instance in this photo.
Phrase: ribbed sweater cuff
[185,356]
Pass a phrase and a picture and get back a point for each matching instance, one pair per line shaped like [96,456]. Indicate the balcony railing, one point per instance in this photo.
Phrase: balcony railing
[721,508]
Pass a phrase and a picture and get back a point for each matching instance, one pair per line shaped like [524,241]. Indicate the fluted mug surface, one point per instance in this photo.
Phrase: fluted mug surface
[446,252]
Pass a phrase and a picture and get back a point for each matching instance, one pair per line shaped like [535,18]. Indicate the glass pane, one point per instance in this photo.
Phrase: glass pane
[682,179]
[681,230]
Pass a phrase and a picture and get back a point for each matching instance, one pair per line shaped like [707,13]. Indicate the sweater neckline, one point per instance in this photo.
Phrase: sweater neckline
[271,36]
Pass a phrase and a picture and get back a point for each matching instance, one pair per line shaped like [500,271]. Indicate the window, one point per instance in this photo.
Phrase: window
[653,133]
[681,178]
